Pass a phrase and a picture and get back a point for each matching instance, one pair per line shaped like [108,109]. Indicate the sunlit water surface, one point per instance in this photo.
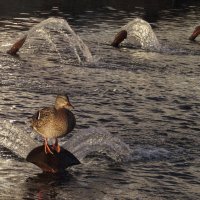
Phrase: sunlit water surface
[137,110]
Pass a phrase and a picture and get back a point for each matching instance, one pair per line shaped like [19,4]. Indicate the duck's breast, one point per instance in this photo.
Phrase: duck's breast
[65,122]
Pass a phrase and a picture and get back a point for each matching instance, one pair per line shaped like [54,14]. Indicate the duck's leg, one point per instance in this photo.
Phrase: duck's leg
[46,147]
[56,146]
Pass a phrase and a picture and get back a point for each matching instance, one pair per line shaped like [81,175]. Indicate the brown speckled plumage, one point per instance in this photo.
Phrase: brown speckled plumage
[51,123]
[56,121]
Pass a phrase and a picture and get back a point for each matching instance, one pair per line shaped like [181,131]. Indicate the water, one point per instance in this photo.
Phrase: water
[139,31]
[52,27]
[137,110]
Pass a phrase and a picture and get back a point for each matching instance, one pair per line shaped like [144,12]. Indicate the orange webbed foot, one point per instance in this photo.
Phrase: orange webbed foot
[56,146]
[47,148]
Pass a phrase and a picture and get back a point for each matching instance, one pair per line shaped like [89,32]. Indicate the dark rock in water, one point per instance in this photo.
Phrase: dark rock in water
[52,163]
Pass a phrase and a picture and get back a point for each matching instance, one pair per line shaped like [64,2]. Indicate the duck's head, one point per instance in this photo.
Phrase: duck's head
[119,38]
[62,101]
[195,33]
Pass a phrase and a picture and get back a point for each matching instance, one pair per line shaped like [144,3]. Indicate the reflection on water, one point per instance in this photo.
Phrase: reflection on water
[150,100]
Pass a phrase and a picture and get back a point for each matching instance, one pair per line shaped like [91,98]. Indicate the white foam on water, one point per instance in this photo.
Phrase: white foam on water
[140,32]
[150,153]
[52,32]
[16,139]
[99,140]
[82,143]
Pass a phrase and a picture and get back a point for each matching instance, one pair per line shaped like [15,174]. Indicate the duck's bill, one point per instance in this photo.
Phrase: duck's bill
[70,105]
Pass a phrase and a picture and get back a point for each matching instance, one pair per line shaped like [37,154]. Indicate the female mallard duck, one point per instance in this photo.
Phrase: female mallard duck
[54,122]
[195,33]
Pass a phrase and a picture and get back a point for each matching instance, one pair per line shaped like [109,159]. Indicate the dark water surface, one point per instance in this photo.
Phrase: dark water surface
[148,99]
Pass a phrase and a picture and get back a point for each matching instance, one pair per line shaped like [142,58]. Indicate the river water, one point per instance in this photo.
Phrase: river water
[137,110]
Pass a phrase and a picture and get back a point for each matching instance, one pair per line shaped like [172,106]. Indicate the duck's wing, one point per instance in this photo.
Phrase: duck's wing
[43,115]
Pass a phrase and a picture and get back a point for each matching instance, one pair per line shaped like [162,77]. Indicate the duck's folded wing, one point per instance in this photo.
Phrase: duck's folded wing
[43,114]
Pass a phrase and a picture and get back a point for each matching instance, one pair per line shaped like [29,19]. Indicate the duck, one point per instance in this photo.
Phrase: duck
[195,33]
[17,45]
[55,121]
[119,37]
